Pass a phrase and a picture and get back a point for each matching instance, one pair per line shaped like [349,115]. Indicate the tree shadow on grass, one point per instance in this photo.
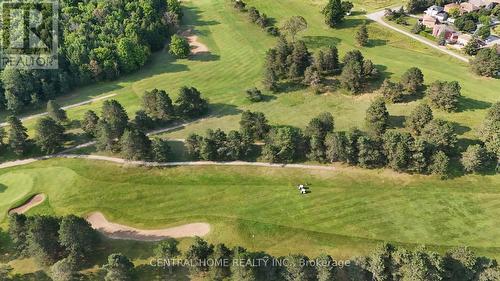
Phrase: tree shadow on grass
[351,22]
[468,104]
[460,129]
[35,276]
[290,86]
[396,121]
[377,42]
[193,16]
[204,56]
[316,42]
[2,189]
[223,109]
[375,83]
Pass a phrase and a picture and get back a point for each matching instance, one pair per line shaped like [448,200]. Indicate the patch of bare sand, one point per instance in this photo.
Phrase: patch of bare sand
[118,231]
[196,46]
[32,202]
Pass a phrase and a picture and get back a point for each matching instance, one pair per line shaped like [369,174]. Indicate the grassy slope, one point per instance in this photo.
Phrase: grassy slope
[236,63]
[347,212]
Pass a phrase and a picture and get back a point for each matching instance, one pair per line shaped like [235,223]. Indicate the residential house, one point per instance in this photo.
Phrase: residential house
[442,17]
[429,21]
[467,7]
[434,10]
[450,35]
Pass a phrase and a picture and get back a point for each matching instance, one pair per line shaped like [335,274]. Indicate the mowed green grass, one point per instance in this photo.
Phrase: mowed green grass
[236,62]
[348,211]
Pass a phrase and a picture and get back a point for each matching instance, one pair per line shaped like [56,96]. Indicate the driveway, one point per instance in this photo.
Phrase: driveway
[378,17]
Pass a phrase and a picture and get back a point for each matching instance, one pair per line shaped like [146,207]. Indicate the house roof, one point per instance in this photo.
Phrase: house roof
[465,37]
[479,3]
[449,7]
[468,7]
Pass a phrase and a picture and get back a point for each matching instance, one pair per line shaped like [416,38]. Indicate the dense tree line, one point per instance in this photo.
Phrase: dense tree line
[66,244]
[51,239]
[99,40]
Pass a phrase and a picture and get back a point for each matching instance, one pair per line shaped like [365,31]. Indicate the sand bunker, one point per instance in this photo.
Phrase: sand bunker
[32,202]
[196,46]
[118,231]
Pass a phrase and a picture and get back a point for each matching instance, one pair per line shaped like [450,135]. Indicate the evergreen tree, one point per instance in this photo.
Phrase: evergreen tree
[119,268]
[440,134]
[397,147]
[486,62]
[158,105]
[444,95]
[297,268]
[474,159]
[115,116]
[334,13]
[167,250]
[18,228]
[89,123]
[78,237]
[331,60]
[336,147]
[17,135]
[240,269]
[362,36]
[104,137]
[490,130]
[412,80]
[324,268]
[380,262]
[283,145]
[55,112]
[418,118]
[270,80]
[49,135]
[65,270]
[160,150]
[352,76]
[472,47]
[369,153]
[190,104]
[43,239]
[254,125]
[439,164]
[198,252]
[392,92]
[377,116]
[135,145]
[222,255]
[193,145]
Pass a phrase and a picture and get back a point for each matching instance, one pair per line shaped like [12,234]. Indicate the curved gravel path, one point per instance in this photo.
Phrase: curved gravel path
[64,107]
[119,231]
[166,164]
